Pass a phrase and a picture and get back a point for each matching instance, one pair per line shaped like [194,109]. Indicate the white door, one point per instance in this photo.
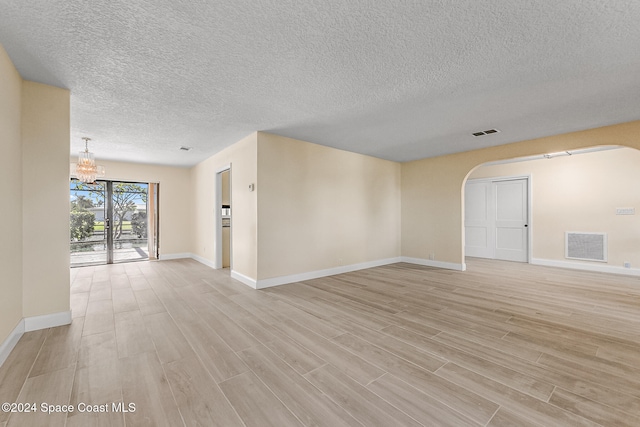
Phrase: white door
[496,215]
[511,220]
[478,224]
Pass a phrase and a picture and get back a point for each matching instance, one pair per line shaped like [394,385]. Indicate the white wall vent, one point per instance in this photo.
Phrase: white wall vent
[585,246]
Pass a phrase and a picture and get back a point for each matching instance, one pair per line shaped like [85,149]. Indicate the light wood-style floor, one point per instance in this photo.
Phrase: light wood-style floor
[502,344]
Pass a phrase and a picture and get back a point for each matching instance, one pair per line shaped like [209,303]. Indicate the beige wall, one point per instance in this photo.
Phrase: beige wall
[45,184]
[319,207]
[432,198]
[242,156]
[11,193]
[175,199]
[581,193]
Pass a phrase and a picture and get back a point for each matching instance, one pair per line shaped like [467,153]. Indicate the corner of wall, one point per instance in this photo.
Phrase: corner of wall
[10,342]
[242,156]
[11,221]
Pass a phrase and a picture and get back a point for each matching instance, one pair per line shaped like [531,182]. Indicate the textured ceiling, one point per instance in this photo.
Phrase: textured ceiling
[399,80]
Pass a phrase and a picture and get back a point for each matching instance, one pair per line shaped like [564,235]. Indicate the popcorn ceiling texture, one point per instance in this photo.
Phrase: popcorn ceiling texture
[395,79]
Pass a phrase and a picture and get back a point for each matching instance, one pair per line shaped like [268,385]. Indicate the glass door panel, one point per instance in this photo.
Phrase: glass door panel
[130,223]
[87,221]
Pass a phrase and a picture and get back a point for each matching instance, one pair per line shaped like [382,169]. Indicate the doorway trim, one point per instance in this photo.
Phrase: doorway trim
[529,178]
[217,212]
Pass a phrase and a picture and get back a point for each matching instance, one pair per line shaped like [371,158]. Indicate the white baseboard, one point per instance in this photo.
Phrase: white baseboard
[11,341]
[600,268]
[185,255]
[283,280]
[29,324]
[234,274]
[52,320]
[202,260]
[244,279]
[164,257]
[433,263]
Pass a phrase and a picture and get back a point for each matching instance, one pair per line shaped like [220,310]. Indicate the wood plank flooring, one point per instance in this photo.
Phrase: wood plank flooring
[501,344]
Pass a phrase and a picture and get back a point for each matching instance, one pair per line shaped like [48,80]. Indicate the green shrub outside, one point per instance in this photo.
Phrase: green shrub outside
[81,225]
[139,224]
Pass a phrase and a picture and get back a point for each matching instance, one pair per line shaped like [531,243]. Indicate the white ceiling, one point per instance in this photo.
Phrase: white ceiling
[399,80]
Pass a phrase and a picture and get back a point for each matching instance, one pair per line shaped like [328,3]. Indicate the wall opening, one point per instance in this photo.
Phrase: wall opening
[223,218]
[579,191]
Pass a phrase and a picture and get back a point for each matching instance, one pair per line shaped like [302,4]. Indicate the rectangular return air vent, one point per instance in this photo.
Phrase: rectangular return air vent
[585,246]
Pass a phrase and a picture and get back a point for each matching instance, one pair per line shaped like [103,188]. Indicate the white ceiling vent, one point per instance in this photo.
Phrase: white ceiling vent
[586,246]
[485,132]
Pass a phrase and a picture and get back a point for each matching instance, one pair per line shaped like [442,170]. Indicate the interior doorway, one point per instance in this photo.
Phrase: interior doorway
[497,218]
[113,221]
[223,218]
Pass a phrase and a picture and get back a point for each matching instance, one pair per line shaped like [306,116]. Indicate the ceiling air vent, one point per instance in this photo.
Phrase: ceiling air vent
[185,148]
[485,132]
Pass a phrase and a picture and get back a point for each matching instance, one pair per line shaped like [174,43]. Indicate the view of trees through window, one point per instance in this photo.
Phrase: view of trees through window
[89,219]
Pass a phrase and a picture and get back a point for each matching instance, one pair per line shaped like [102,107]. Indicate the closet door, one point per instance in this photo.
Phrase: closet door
[496,219]
[511,241]
[478,220]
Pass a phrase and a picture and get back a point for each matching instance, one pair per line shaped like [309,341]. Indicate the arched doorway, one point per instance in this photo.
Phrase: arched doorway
[583,207]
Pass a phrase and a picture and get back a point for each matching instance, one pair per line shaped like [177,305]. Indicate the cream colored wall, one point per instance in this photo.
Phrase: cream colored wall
[432,197]
[581,193]
[175,199]
[243,159]
[11,192]
[319,207]
[45,198]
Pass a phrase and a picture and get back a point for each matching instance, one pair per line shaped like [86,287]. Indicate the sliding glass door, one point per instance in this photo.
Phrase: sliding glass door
[110,222]
[87,222]
[129,221]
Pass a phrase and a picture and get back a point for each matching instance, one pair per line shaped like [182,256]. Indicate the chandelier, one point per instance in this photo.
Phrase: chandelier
[86,169]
